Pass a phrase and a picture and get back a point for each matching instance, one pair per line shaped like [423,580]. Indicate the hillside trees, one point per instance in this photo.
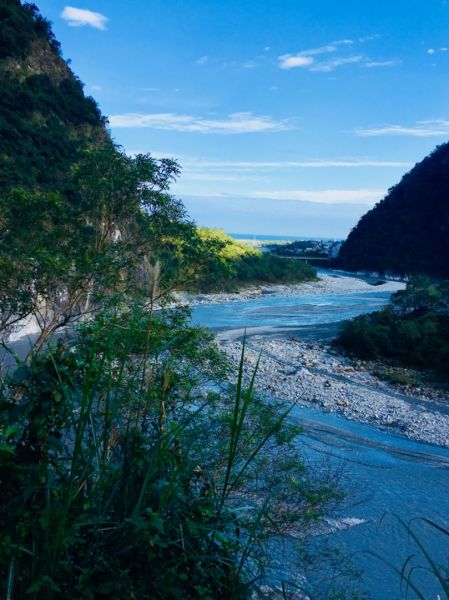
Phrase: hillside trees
[408,231]
[61,252]
[45,118]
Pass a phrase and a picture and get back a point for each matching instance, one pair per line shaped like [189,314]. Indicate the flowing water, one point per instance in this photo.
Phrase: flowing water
[389,474]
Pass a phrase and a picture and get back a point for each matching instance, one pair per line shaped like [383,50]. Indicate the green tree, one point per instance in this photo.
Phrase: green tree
[61,252]
[419,295]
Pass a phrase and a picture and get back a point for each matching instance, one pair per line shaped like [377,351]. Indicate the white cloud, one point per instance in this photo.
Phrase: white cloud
[330,65]
[291,164]
[436,128]
[332,47]
[292,61]
[202,60]
[369,38]
[78,17]
[432,51]
[307,59]
[320,50]
[96,88]
[198,164]
[244,122]
[372,64]
[331,196]
[235,171]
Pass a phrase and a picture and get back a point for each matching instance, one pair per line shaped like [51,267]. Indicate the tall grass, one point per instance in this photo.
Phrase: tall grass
[421,562]
[124,476]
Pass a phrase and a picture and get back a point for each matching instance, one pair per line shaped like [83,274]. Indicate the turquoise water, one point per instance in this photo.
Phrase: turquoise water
[388,475]
[385,473]
[271,311]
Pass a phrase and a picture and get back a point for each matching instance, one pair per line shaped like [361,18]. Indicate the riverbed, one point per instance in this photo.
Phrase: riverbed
[393,445]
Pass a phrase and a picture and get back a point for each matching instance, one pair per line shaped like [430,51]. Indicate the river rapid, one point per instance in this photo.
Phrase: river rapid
[389,474]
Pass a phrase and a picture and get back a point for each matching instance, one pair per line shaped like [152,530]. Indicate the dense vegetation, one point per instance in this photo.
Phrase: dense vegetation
[413,331]
[129,466]
[117,236]
[45,119]
[230,264]
[123,476]
[408,231]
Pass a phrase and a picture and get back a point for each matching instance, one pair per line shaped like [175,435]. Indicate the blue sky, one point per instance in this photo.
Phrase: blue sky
[287,116]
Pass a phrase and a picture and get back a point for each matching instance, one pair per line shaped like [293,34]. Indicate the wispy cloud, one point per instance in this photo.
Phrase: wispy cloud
[436,128]
[369,38]
[236,123]
[330,65]
[249,64]
[79,17]
[432,51]
[195,163]
[372,64]
[192,163]
[229,177]
[292,61]
[315,59]
[305,58]
[196,169]
[331,196]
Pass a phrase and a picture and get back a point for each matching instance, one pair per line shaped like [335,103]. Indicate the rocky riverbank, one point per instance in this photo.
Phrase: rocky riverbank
[313,374]
[332,283]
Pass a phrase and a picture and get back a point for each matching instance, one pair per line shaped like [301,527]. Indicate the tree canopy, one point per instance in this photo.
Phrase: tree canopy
[408,231]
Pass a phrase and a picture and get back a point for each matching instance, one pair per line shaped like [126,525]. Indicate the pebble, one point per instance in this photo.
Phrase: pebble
[314,374]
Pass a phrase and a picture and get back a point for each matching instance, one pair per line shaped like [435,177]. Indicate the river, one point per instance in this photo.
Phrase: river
[391,474]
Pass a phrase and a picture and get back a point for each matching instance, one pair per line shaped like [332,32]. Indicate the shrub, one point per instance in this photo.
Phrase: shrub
[419,340]
[122,475]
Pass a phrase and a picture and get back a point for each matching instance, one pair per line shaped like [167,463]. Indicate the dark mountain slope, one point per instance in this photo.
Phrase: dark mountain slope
[408,231]
[45,118]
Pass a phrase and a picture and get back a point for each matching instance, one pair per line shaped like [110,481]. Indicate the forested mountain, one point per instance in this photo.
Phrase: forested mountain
[408,231]
[80,219]
[45,118]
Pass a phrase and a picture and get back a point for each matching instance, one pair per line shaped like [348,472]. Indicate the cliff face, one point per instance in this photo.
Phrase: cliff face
[408,231]
[45,118]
